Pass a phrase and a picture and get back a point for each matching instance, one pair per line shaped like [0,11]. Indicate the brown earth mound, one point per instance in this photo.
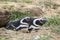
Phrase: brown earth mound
[4,16]
[34,10]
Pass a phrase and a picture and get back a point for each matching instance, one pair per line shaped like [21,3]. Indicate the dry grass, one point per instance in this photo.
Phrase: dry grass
[45,33]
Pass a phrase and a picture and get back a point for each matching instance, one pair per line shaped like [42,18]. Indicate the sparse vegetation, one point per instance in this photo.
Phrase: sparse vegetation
[45,37]
[8,7]
[3,38]
[53,22]
[26,1]
[19,15]
[8,0]
[50,4]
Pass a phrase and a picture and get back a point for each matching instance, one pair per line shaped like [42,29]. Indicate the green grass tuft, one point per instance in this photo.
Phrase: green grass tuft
[53,21]
[19,15]
[54,24]
[3,38]
[26,1]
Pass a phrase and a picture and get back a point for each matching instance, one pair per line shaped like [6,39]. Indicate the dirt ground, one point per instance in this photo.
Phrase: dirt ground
[22,35]
[44,33]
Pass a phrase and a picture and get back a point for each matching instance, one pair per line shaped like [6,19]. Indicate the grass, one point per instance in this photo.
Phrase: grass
[9,0]
[54,24]
[19,15]
[26,1]
[50,4]
[8,7]
[55,29]
[3,38]
[45,37]
[53,21]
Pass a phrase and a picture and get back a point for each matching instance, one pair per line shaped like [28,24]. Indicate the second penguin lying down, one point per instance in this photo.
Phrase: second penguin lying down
[19,24]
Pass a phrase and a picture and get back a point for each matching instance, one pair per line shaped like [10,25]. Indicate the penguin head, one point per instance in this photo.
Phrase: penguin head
[42,21]
[27,19]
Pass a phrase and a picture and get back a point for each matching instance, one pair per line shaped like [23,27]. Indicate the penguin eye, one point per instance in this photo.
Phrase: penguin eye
[41,21]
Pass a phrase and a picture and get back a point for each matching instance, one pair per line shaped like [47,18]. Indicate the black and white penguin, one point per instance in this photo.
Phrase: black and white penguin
[19,24]
[36,23]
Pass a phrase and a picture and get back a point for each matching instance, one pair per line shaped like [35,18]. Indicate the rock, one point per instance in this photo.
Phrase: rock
[4,16]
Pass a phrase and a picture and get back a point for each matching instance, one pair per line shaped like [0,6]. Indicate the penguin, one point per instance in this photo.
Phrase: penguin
[36,23]
[19,24]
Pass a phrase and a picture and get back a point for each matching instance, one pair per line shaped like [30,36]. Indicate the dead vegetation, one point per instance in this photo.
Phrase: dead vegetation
[45,8]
